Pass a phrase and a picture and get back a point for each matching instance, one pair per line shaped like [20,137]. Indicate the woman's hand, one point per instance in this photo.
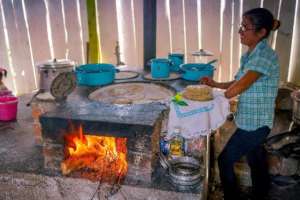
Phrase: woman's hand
[208,81]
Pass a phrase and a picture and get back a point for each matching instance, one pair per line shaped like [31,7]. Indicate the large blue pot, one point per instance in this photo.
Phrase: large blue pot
[177,59]
[160,67]
[196,71]
[95,74]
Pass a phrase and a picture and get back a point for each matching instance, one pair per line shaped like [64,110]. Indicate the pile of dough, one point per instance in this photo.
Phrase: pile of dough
[198,93]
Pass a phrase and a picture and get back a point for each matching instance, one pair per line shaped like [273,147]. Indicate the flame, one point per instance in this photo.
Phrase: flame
[104,155]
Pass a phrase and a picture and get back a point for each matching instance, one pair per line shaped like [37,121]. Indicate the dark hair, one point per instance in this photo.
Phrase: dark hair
[262,18]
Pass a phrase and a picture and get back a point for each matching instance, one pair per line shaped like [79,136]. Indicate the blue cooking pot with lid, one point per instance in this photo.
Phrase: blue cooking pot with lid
[95,74]
[160,67]
[196,71]
[177,59]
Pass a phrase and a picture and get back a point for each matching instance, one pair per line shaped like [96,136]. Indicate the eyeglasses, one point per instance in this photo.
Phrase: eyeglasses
[243,28]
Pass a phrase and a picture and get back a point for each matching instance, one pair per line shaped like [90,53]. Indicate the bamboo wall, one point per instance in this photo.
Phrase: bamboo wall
[33,31]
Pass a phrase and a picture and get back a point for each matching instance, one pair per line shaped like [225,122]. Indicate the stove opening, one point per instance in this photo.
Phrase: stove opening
[98,158]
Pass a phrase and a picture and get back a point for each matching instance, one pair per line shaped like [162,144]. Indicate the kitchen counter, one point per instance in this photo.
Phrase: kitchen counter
[79,107]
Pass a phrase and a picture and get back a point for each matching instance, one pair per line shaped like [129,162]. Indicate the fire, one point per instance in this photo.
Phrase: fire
[104,157]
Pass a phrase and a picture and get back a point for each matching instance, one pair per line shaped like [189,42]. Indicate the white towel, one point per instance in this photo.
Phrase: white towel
[198,118]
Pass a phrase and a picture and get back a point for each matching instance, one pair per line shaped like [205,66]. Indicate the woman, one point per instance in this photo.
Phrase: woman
[257,83]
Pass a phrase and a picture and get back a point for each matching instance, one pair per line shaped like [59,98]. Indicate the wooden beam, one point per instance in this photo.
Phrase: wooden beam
[149,30]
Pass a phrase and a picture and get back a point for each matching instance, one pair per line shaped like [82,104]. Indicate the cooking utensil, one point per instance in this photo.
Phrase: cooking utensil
[95,74]
[185,171]
[49,70]
[63,85]
[202,56]
[196,71]
[212,62]
[160,67]
[176,60]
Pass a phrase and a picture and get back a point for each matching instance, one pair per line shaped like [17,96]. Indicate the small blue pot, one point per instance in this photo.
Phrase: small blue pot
[95,74]
[176,59]
[160,67]
[196,71]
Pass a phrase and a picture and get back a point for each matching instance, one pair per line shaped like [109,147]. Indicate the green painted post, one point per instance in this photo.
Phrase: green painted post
[93,44]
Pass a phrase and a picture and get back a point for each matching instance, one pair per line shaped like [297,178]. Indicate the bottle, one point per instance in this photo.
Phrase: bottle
[177,143]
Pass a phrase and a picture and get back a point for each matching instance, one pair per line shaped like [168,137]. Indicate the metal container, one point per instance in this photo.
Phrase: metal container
[296,106]
[202,56]
[49,70]
[185,172]
[160,67]
[177,59]
[196,71]
[95,74]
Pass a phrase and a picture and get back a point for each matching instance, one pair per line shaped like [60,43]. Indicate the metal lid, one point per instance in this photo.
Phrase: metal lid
[202,52]
[56,63]
[63,85]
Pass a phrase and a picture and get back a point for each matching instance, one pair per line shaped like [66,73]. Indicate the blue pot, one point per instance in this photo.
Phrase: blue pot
[95,74]
[176,59]
[196,71]
[160,67]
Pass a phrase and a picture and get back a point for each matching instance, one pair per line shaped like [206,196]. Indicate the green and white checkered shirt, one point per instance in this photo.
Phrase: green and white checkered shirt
[256,105]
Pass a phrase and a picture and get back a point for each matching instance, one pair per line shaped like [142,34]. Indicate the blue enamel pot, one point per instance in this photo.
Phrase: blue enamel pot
[176,59]
[196,71]
[95,74]
[160,67]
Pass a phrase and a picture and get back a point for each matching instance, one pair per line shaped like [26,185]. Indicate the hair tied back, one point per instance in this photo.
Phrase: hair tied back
[276,24]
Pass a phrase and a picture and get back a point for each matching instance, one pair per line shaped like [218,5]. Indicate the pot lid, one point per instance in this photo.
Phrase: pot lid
[202,52]
[63,85]
[56,63]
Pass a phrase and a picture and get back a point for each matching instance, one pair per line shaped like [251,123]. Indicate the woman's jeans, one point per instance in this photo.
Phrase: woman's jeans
[249,143]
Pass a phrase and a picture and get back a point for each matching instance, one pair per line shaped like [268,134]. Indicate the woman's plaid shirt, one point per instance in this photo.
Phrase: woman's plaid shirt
[256,104]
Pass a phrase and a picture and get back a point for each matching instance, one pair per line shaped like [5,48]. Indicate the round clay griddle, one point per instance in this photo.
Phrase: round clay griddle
[124,75]
[132,93]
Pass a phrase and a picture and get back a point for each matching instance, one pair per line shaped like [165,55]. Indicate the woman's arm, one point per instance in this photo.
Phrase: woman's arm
[210,82]
[243,84]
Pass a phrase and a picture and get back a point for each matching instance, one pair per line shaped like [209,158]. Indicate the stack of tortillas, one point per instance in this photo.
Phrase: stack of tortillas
[198,93]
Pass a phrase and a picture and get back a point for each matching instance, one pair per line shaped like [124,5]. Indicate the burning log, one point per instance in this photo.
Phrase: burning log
[77,162]
[102,157]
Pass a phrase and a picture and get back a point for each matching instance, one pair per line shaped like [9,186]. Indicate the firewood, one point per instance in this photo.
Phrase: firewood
[77,162]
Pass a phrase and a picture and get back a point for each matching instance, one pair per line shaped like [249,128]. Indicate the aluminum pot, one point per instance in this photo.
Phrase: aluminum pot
[49,70]
[296,106]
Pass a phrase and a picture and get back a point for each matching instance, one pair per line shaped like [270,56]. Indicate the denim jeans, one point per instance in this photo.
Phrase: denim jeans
[247,143]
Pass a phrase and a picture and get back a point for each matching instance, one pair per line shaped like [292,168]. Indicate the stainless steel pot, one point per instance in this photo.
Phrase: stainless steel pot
[296,106]
[49,70]
[185,172]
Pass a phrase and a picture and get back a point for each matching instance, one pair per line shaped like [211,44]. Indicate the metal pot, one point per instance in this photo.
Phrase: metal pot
[196,71]
[95,74]
[185,171]
[296,106]
[49,70]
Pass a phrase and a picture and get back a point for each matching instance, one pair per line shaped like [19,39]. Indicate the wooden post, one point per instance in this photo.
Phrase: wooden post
[93,47]
[149,30]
